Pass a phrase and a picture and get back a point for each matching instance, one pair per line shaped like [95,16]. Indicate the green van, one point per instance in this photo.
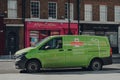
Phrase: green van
[66,51]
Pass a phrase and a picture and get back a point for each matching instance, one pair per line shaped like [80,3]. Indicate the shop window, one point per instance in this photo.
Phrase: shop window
[35,9]
[88,33]
[34,38]
[112,38]
[55,33]
[99,33]
[43,34]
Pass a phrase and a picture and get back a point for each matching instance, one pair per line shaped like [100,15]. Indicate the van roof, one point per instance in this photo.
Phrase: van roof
[78,35]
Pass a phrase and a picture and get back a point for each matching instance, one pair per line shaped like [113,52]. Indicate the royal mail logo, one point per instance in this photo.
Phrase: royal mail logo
[77,43]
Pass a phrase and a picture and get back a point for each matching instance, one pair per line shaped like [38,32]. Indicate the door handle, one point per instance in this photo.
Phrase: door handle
[61,50]
[69,49]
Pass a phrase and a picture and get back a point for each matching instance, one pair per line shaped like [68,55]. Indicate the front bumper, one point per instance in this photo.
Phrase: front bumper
[20,62]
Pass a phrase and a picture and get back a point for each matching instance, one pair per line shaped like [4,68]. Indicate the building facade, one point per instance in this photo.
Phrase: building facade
[12,11]
[97,17]
[101,18]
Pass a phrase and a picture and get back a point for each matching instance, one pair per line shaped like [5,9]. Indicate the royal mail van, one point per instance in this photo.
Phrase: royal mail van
[66,51]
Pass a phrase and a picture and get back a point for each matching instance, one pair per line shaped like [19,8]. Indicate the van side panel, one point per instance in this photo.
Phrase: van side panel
[74,47]
[98,47]
[91,48]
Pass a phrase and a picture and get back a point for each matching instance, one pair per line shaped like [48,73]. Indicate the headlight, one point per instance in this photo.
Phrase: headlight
[19,55]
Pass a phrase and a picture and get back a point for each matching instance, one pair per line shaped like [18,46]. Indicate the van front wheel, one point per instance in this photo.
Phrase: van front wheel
[33,66]
[96,65]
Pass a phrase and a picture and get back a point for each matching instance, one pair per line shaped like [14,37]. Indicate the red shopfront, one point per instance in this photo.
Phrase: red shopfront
[36,31]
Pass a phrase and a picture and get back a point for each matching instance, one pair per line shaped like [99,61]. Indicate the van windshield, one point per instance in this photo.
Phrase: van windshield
[42,41]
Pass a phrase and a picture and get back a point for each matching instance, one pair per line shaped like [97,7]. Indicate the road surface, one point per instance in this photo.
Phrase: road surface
[110,72]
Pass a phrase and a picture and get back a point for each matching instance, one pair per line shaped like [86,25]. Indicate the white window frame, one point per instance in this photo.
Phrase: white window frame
[103,13]
[12,9]
[88,12]
[117,13]
[48,11]
[71,11]
[38,9]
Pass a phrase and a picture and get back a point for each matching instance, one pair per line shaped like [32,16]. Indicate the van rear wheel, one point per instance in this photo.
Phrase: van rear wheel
[33,66]
[96,65]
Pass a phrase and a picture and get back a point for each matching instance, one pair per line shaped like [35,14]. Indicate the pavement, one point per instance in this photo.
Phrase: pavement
[116,58]
[111,76]
[7,60]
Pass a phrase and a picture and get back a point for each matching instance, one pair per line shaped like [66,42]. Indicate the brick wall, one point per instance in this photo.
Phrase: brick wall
[19,10]
[95,4]
[60,7]
[3,6]
[44,9]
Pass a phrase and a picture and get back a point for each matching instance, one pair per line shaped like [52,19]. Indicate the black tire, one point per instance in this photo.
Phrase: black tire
[95,65]
[33,66]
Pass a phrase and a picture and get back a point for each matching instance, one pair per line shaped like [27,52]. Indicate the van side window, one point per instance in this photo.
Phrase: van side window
[58,43]
[55,43]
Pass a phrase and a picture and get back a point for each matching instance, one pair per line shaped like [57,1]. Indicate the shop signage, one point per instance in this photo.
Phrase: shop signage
[42,24]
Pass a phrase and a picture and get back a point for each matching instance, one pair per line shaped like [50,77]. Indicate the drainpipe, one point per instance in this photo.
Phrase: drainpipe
[23,16]
[78,16]
[69,30]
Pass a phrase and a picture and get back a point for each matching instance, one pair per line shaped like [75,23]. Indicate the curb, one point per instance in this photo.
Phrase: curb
[7,60]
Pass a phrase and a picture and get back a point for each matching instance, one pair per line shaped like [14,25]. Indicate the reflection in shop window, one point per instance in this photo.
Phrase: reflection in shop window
[88,33]
[113,38]
[34,38]
[55,33]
